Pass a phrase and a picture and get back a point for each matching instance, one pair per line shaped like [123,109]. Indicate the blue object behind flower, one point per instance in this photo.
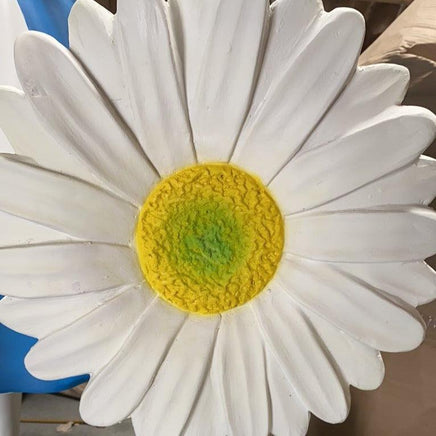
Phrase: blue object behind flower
[49,16]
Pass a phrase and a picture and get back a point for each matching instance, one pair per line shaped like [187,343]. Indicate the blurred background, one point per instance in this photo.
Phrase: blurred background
[398,31]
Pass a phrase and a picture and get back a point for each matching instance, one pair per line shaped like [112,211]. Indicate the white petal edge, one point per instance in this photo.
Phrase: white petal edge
[413,185]
[114,392]
[238,371]
[284,113]
[220,43]
[372,89]
[63,203]
[167,405]
[29,137]
[88,344]
[92,40]
[48,270]
[161,118]
[412,282]
[39,317]
[289,417]
[301,356]
[80,117]
[390,234]
[390,141]
[361,366]
[351,306]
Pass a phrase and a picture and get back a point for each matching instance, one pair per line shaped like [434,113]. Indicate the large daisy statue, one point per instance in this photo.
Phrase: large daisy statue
[213,213]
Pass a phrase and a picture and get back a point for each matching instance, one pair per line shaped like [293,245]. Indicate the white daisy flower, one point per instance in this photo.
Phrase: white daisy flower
[219,217]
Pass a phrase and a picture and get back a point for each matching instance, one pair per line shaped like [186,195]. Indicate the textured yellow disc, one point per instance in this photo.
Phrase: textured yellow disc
[209,238]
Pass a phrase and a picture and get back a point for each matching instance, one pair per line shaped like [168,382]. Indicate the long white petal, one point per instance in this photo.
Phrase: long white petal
[361,365]
[143,39]
[413,282]
[39,317]
[372,89]
[92,40]
[352,306]
[88,344]
[63,203]
[285,111]
[289,417]
[45,270]
[116,391]
[220,43]
[238,369]
[413,185]
[168,404]
[301,355]
[387,143]
[368,235]
[80,117]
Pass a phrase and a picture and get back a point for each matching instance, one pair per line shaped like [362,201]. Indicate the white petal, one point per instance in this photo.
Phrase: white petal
[300,354]
[370,235]
[285,111]
[220,43]
[361,365]
[80,117]
[413,185]
[238,369]
[207,418]
[352,306]
[116,391]
[12,24]
[88,344]
[175,390]
[63,203]
[390,141]
[92,40]
[372,89]
[141,33]
[19,231]
[39,317]
[65,269]
[289,417]
[29,137]
[414,282]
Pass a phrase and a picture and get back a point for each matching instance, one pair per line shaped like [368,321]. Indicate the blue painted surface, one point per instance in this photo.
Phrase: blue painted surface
[49,16]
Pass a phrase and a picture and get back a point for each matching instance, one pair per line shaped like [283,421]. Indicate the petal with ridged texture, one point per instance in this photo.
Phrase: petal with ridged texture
[155,88]
[300,353]
[34,140]
[208,416]
[116,391]
[80,117]
[413,185]
[372,89]
[397,137]
[297,95]
[39,317]
[238,370]
[365,313]
[361,366]
[46,270]
[289,417]
[369,235]
[92,40]
[220,43]
[167,406]
[413,282]
[64,203]
[89,343]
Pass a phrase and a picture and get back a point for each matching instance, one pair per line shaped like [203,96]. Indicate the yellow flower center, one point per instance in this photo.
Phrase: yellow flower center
[209,238]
